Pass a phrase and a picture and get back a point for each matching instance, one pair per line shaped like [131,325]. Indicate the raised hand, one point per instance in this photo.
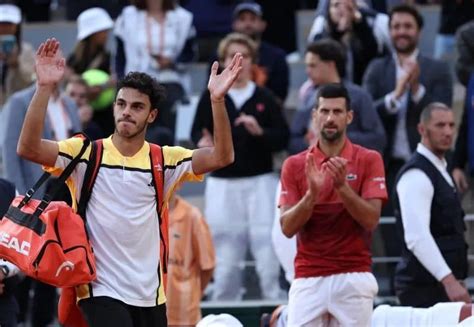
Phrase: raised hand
[49,63]
[314,175]
[219,84]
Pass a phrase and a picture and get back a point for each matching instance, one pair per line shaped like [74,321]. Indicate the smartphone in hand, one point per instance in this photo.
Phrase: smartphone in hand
[7,44]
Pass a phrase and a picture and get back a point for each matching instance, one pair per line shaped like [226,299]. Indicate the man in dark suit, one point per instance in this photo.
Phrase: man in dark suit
[402,84]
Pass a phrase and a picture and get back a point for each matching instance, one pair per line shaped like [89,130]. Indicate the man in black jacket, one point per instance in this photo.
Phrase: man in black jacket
[240,197]
[271,69]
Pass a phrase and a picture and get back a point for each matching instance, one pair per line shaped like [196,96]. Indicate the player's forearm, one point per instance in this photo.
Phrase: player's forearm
[29,142]
[223,146]
[364,212]
[293,219]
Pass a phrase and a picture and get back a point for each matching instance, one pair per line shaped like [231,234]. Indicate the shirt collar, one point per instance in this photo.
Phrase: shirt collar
[145,149]
[441,164]
[320,157]
[413,56]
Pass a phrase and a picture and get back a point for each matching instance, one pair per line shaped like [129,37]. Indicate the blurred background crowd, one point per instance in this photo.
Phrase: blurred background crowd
[290,48]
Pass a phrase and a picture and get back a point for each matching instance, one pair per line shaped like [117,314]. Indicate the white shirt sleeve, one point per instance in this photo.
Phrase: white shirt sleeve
[391,104]
[13,270]
[415,193]
[416,97]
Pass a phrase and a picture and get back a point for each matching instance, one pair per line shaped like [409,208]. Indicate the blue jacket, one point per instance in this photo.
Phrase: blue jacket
[21,172]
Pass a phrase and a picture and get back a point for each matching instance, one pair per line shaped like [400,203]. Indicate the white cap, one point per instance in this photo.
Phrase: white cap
[222,320]
[10,14]
[91,21]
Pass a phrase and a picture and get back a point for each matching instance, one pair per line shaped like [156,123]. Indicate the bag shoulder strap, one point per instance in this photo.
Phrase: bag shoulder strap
[57,184]
[90,176]
[158,175]
[157,172]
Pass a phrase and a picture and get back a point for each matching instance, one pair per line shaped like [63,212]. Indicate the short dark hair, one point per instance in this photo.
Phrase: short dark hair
[145,84]
[330,50]
[331,91]
[406,9]
[425,115]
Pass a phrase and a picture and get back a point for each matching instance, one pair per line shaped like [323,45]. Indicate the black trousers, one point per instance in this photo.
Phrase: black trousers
[103,311]
[422,296]
[44,303]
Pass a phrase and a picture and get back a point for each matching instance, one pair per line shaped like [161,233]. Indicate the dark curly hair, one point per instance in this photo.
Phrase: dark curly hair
[145,84]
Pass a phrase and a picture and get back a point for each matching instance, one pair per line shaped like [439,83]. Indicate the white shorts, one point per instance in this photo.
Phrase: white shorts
[336,300]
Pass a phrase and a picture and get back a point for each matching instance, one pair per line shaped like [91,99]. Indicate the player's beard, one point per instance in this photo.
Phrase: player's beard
[331,137]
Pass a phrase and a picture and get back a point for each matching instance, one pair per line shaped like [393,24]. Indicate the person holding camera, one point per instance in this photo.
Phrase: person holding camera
[16,57]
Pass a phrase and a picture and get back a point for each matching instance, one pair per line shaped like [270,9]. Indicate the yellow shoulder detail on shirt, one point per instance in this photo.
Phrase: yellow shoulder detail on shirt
[68,149]
[175,156]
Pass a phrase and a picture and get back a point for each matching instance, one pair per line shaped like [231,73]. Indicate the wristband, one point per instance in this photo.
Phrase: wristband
[5,270]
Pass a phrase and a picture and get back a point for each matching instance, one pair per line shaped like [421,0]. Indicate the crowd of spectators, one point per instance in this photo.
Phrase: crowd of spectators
[370,49]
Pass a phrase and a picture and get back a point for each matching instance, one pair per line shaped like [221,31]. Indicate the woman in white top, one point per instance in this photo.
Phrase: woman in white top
[152,37]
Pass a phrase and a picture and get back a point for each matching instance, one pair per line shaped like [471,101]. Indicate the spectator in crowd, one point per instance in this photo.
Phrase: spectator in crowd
[191,262]
[76,89]
[8,272]
[465,47]
[154,37]
[453,14]
[464,150]
[429,213]
[401,85]
[331,198]
[62,120]
[325,63]
[16,56]
[271,70]
[258,129]
[213,21]
[363,33]
[90,52]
